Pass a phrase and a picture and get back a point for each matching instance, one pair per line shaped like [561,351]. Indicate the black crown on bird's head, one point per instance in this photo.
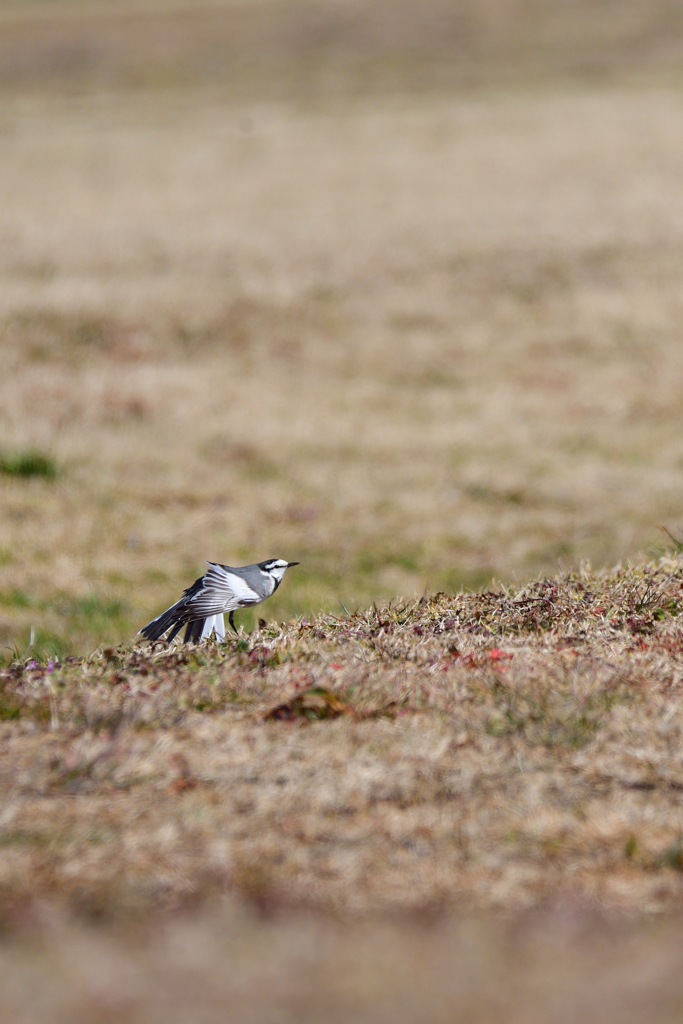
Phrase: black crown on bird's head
[275,566]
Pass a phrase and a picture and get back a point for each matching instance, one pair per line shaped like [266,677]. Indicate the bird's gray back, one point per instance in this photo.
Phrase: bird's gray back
[254,577]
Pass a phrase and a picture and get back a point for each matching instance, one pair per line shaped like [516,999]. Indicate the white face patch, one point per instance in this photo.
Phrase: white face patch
[277,568]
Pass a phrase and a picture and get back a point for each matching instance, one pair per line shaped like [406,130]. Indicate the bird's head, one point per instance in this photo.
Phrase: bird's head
[276,567]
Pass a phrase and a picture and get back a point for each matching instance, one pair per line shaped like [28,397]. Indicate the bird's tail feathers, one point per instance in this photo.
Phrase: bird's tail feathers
[196,630]
[155,629]
[193,631]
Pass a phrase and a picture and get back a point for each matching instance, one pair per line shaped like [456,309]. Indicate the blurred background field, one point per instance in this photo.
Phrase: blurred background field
[392,290]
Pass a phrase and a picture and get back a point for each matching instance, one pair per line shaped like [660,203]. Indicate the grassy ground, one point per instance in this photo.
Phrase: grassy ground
[564,966]
[489,750]
[514,753]
[412,342]
[394,293]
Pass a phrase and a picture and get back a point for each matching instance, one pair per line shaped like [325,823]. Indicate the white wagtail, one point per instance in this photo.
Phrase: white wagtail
[220,590]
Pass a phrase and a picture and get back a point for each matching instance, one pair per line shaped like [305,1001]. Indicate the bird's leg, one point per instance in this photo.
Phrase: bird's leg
[231,620]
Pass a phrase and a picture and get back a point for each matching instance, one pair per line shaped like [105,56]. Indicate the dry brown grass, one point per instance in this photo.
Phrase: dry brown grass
[393,290]
[411,344]
[491,750]
[516,752]
[232,964]
[304,49]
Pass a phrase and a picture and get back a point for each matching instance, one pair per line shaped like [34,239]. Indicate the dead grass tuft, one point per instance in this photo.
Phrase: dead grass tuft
[483,750]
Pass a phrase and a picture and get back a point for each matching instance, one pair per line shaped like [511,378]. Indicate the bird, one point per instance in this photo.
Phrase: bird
[222,589]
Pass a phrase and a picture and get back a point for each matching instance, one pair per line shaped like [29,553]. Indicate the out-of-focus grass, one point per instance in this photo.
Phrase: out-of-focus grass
[564,965]
[27,464]
[307,50]
[411,336]
[394,290]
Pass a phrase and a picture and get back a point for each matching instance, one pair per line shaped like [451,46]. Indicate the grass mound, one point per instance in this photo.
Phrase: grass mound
[491,749]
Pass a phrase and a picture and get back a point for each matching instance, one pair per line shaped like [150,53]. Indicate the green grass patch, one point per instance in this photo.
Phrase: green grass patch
[28,463]
[16,599]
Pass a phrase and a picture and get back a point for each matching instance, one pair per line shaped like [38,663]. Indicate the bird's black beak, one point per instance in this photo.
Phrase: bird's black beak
[290,564]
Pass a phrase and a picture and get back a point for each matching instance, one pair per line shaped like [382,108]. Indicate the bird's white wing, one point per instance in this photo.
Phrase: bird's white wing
[221,592]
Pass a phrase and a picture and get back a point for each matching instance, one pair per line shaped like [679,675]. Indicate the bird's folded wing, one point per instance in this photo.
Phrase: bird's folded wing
[221,592]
